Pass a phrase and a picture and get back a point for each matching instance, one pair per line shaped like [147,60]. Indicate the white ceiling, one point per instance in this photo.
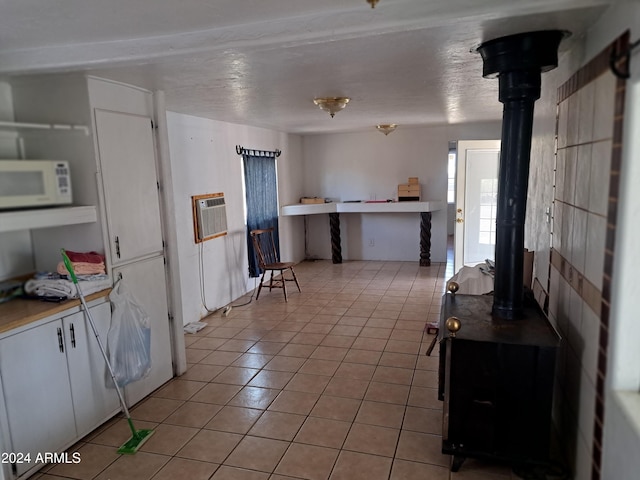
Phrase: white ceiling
[261,62]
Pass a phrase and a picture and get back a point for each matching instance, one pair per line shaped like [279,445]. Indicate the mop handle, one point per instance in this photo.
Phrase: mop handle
[69,266]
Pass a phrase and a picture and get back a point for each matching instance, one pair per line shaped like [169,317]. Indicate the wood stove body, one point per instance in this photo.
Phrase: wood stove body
[497,372]
[496,380]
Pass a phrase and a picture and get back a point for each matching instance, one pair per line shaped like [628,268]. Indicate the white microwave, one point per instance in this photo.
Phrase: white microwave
[34,183]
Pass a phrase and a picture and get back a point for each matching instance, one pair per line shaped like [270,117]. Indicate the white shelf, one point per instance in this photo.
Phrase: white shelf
[307,208]
[56,127]
[361,207]
[46,217]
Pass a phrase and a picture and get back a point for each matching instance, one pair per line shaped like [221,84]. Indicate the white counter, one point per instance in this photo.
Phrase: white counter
[360,207]
[335,208]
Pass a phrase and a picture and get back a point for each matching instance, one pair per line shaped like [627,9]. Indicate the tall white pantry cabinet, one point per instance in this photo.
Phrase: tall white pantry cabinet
[114,168]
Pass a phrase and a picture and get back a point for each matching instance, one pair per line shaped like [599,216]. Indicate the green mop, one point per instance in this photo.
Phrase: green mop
[138,437]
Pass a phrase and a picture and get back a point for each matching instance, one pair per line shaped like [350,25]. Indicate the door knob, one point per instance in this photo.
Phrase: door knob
[459,220]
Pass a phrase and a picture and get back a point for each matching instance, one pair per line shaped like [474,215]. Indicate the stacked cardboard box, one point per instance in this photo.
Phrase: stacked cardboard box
[311,200]
[408,192]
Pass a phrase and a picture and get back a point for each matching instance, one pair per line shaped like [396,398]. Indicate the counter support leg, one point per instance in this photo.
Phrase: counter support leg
[425,239]
[334,226]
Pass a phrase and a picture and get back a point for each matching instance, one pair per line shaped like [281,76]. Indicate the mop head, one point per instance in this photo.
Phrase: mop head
[132,445]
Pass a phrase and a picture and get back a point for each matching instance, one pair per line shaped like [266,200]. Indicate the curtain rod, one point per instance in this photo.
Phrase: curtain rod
[257,153]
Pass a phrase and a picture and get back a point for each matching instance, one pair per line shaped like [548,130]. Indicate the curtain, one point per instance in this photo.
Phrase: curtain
[262,202]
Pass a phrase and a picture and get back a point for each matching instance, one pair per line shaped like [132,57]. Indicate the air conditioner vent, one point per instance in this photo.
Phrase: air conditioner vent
[210,216]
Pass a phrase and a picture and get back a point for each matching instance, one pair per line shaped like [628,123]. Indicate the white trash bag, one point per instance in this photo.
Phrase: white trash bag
[129,337]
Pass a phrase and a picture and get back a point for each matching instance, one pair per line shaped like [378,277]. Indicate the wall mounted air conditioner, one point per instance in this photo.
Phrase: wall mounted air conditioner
[209,216]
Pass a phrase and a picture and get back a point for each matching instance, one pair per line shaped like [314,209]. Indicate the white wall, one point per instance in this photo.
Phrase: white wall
[369,166]
[575,402]
[204,160]
[622,400]
[15,247]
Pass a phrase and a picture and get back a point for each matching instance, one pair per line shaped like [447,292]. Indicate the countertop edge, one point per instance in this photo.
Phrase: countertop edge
[34,310]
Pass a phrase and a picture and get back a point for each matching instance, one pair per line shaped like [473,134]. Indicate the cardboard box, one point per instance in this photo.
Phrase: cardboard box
[408,192]
[311,200]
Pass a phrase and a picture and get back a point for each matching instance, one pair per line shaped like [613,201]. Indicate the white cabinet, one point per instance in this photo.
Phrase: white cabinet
[37,391]
[146,280]
[94,400]
[129,178]
[53,380]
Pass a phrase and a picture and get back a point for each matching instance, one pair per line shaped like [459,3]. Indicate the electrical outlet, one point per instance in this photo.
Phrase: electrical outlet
[226,310]
[372,242]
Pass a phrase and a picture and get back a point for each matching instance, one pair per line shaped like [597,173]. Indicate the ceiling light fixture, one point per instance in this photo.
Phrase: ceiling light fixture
[331,104]
[372,3]
[387,129]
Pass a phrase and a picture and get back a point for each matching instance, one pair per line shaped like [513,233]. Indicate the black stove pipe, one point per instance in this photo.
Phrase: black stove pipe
[517,61]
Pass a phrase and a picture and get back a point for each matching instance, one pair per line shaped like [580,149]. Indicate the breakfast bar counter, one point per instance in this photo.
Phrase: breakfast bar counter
[335,208]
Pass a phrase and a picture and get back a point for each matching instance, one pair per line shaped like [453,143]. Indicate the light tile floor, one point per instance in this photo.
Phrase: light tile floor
[334,384]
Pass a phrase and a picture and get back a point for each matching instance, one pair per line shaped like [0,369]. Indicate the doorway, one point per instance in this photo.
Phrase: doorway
[476,202]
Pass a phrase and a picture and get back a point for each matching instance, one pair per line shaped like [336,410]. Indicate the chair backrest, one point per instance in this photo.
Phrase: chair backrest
[265,247]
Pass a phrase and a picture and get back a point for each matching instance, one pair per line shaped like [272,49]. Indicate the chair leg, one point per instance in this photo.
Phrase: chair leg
[284,285]
[260,286]
[295,279]
[271,281]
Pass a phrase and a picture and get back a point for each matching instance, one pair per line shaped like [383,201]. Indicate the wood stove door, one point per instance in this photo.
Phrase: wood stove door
[476,200]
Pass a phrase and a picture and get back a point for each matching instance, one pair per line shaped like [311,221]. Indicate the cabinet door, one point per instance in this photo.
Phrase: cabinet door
[94,398]
[146,280]
[129,177]
[37,393]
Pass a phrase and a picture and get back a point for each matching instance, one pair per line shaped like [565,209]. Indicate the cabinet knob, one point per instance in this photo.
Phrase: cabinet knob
[453,325]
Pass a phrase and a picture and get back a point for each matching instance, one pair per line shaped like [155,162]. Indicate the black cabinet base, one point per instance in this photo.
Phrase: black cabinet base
[496,380]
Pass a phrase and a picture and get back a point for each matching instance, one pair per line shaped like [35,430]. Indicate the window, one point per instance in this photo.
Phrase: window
[261,193]
[451,173]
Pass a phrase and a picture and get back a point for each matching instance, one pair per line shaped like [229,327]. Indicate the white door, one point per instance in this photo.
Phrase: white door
[476,202]
[146,280]
[130,183]
[37,392]
[93,401]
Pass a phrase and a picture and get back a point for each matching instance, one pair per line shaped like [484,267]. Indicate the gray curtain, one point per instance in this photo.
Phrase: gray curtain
[262,202]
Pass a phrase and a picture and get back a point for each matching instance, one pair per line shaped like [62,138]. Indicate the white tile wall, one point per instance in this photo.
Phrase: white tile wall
[565,230]
[590,334]
[586,106]
[573,120]
[558,212]
[578,246]
[575,323]
[603,106]
[563,112]
[594,260]
[599,178]
[570,174]
[586,408]
[561,165]
[583,162]
[583,175]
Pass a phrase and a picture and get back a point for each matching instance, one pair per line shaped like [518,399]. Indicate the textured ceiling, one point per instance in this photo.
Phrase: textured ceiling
[261,63]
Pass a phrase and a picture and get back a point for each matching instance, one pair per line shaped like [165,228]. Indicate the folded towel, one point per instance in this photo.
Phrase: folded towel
[82,268]
[51,287]
[87,257]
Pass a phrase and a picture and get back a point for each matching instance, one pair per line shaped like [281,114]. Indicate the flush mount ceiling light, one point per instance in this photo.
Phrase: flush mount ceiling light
[331,104]
[387,129]
[372,3]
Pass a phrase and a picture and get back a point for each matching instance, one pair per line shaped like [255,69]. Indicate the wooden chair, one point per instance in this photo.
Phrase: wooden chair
[269,261]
